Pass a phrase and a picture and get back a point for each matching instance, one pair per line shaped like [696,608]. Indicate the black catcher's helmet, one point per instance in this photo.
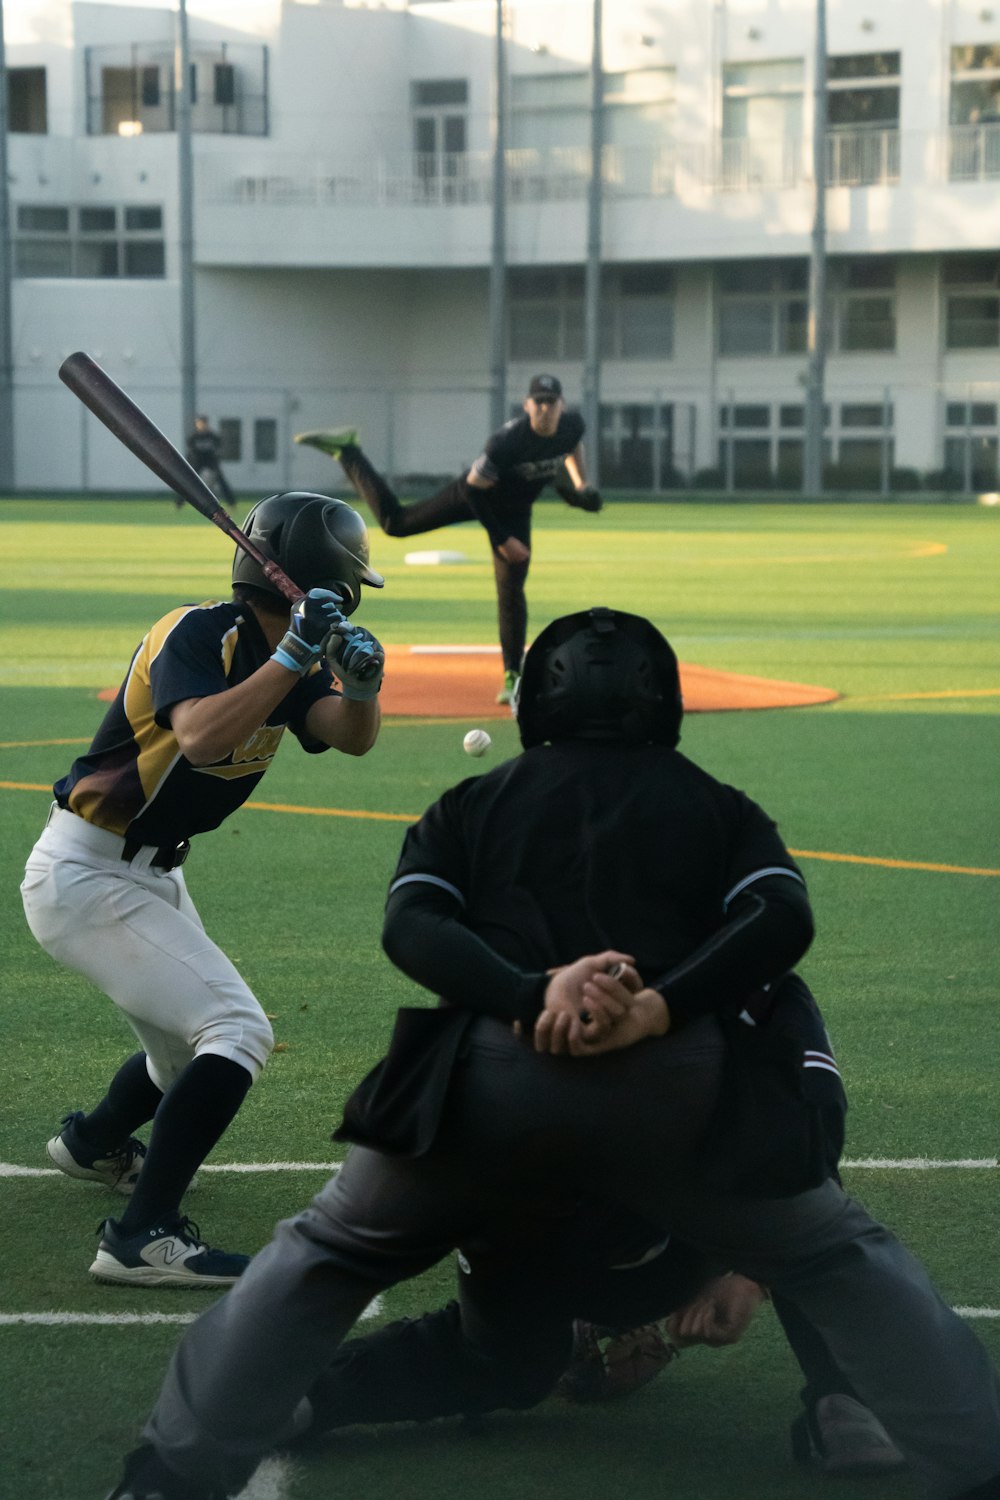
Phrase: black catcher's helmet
[321,543]
[600,675]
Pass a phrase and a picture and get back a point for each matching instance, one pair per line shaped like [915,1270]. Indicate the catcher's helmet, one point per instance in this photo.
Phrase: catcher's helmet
[321,543]
[600,675]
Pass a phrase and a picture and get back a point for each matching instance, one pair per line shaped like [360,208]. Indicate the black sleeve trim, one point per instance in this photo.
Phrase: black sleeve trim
[425,937]
[766,931]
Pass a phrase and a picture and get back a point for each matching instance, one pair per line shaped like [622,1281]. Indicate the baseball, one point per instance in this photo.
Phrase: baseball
[476,742]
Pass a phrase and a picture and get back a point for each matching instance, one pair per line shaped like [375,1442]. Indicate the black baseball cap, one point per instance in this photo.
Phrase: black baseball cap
[545,385]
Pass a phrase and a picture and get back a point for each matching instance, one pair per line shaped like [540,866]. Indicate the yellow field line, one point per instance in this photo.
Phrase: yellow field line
[890,864]
[34,744]
[386,817]
[329,812]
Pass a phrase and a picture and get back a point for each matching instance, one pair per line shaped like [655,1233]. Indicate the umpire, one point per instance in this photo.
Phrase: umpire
[600,840]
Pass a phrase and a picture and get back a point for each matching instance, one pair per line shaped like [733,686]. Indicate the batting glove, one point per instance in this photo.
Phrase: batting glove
[312,619]
[356,659]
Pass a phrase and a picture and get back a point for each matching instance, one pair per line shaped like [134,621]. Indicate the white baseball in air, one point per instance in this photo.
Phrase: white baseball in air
[476,742]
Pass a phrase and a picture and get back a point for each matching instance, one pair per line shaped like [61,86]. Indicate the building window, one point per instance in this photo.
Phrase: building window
[637,313]
[440,129]
[761,124]
[762,308]
[971,446]
[26,101]
[131,89]
[761,445]
[265,440]
[972,301]
[230,439]
[862,305]
[974,110]
[863,118]
[96,241]
[646,446]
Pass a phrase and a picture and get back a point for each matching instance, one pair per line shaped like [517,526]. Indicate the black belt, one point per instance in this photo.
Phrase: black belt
[167,858]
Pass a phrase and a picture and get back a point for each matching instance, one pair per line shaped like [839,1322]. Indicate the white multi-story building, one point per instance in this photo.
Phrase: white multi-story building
[343,221]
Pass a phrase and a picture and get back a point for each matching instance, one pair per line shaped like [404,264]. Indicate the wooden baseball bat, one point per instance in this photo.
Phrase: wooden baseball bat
[131,426]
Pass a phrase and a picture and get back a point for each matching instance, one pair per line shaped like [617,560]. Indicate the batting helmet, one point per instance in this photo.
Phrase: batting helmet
[321,543]
[600,675]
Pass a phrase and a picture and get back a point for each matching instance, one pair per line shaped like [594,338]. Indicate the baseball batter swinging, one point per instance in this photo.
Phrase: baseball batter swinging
[196,723]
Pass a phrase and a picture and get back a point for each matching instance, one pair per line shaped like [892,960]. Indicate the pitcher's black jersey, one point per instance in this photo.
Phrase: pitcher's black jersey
[520,463]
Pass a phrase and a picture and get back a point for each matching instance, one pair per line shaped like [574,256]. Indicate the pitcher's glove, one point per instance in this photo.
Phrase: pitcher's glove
[586,498]
[606,1365]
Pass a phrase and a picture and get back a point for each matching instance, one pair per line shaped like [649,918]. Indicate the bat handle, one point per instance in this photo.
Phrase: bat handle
[281,580]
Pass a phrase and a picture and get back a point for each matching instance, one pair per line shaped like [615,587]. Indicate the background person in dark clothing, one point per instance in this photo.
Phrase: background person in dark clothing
[203,454]
[602,826]
[542,447]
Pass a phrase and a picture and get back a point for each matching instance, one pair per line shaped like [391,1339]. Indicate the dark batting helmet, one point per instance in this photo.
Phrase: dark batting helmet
[321,543]
[600,675]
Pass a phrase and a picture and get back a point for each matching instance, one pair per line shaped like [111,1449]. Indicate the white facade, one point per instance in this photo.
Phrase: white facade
[343,223]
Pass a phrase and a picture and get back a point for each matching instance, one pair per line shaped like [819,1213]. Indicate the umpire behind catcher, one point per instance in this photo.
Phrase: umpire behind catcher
[602,841]
[196,723]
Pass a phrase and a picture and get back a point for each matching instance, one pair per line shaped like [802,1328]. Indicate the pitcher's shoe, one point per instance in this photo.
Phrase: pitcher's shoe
[840,1436]
[118,1170]
[510,682]
[172,1253]
[329,442]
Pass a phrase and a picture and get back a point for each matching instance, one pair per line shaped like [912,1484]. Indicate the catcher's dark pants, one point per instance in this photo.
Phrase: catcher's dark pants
[524,1138]
[446,507]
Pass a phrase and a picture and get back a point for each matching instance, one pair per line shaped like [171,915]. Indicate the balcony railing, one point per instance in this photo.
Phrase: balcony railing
[855,158]
[862,158]
[749,165]
[974,153]
[559,174]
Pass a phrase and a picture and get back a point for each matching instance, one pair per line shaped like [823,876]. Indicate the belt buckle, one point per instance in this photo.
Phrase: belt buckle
[180,854]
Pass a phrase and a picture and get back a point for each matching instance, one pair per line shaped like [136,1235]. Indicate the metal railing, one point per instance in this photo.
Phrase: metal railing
[558,174]
[862,158]
[855,158]
[973,153]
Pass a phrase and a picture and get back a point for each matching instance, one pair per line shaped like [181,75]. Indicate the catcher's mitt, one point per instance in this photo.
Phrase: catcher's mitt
[606,1365]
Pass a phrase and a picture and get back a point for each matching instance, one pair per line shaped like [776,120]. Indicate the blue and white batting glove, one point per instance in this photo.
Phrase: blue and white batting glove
[355,657]
[312,620]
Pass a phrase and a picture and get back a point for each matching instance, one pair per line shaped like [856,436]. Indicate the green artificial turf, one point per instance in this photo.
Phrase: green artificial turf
[895,607]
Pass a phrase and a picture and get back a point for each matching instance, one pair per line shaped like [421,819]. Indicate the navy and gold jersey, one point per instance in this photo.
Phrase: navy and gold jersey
[134,780]
[520,462]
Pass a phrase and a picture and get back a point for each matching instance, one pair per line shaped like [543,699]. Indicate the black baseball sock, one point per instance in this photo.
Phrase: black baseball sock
[193,1115]
[131,1100]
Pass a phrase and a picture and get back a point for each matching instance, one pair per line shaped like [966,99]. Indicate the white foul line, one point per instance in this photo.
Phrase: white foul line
[125,1319]
[862,1164]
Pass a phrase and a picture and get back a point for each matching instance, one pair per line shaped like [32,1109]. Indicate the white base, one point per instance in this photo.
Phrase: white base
[432,559]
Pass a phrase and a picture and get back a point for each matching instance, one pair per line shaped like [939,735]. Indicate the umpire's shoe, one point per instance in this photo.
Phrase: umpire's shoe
[147,1477]
[171,1253]
[838,1436]
[119,1169]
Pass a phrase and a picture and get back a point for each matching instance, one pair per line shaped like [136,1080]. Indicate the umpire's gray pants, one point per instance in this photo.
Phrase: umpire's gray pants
[525,1135]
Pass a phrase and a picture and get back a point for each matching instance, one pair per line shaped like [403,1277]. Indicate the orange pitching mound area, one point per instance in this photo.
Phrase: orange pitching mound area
[461,682]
